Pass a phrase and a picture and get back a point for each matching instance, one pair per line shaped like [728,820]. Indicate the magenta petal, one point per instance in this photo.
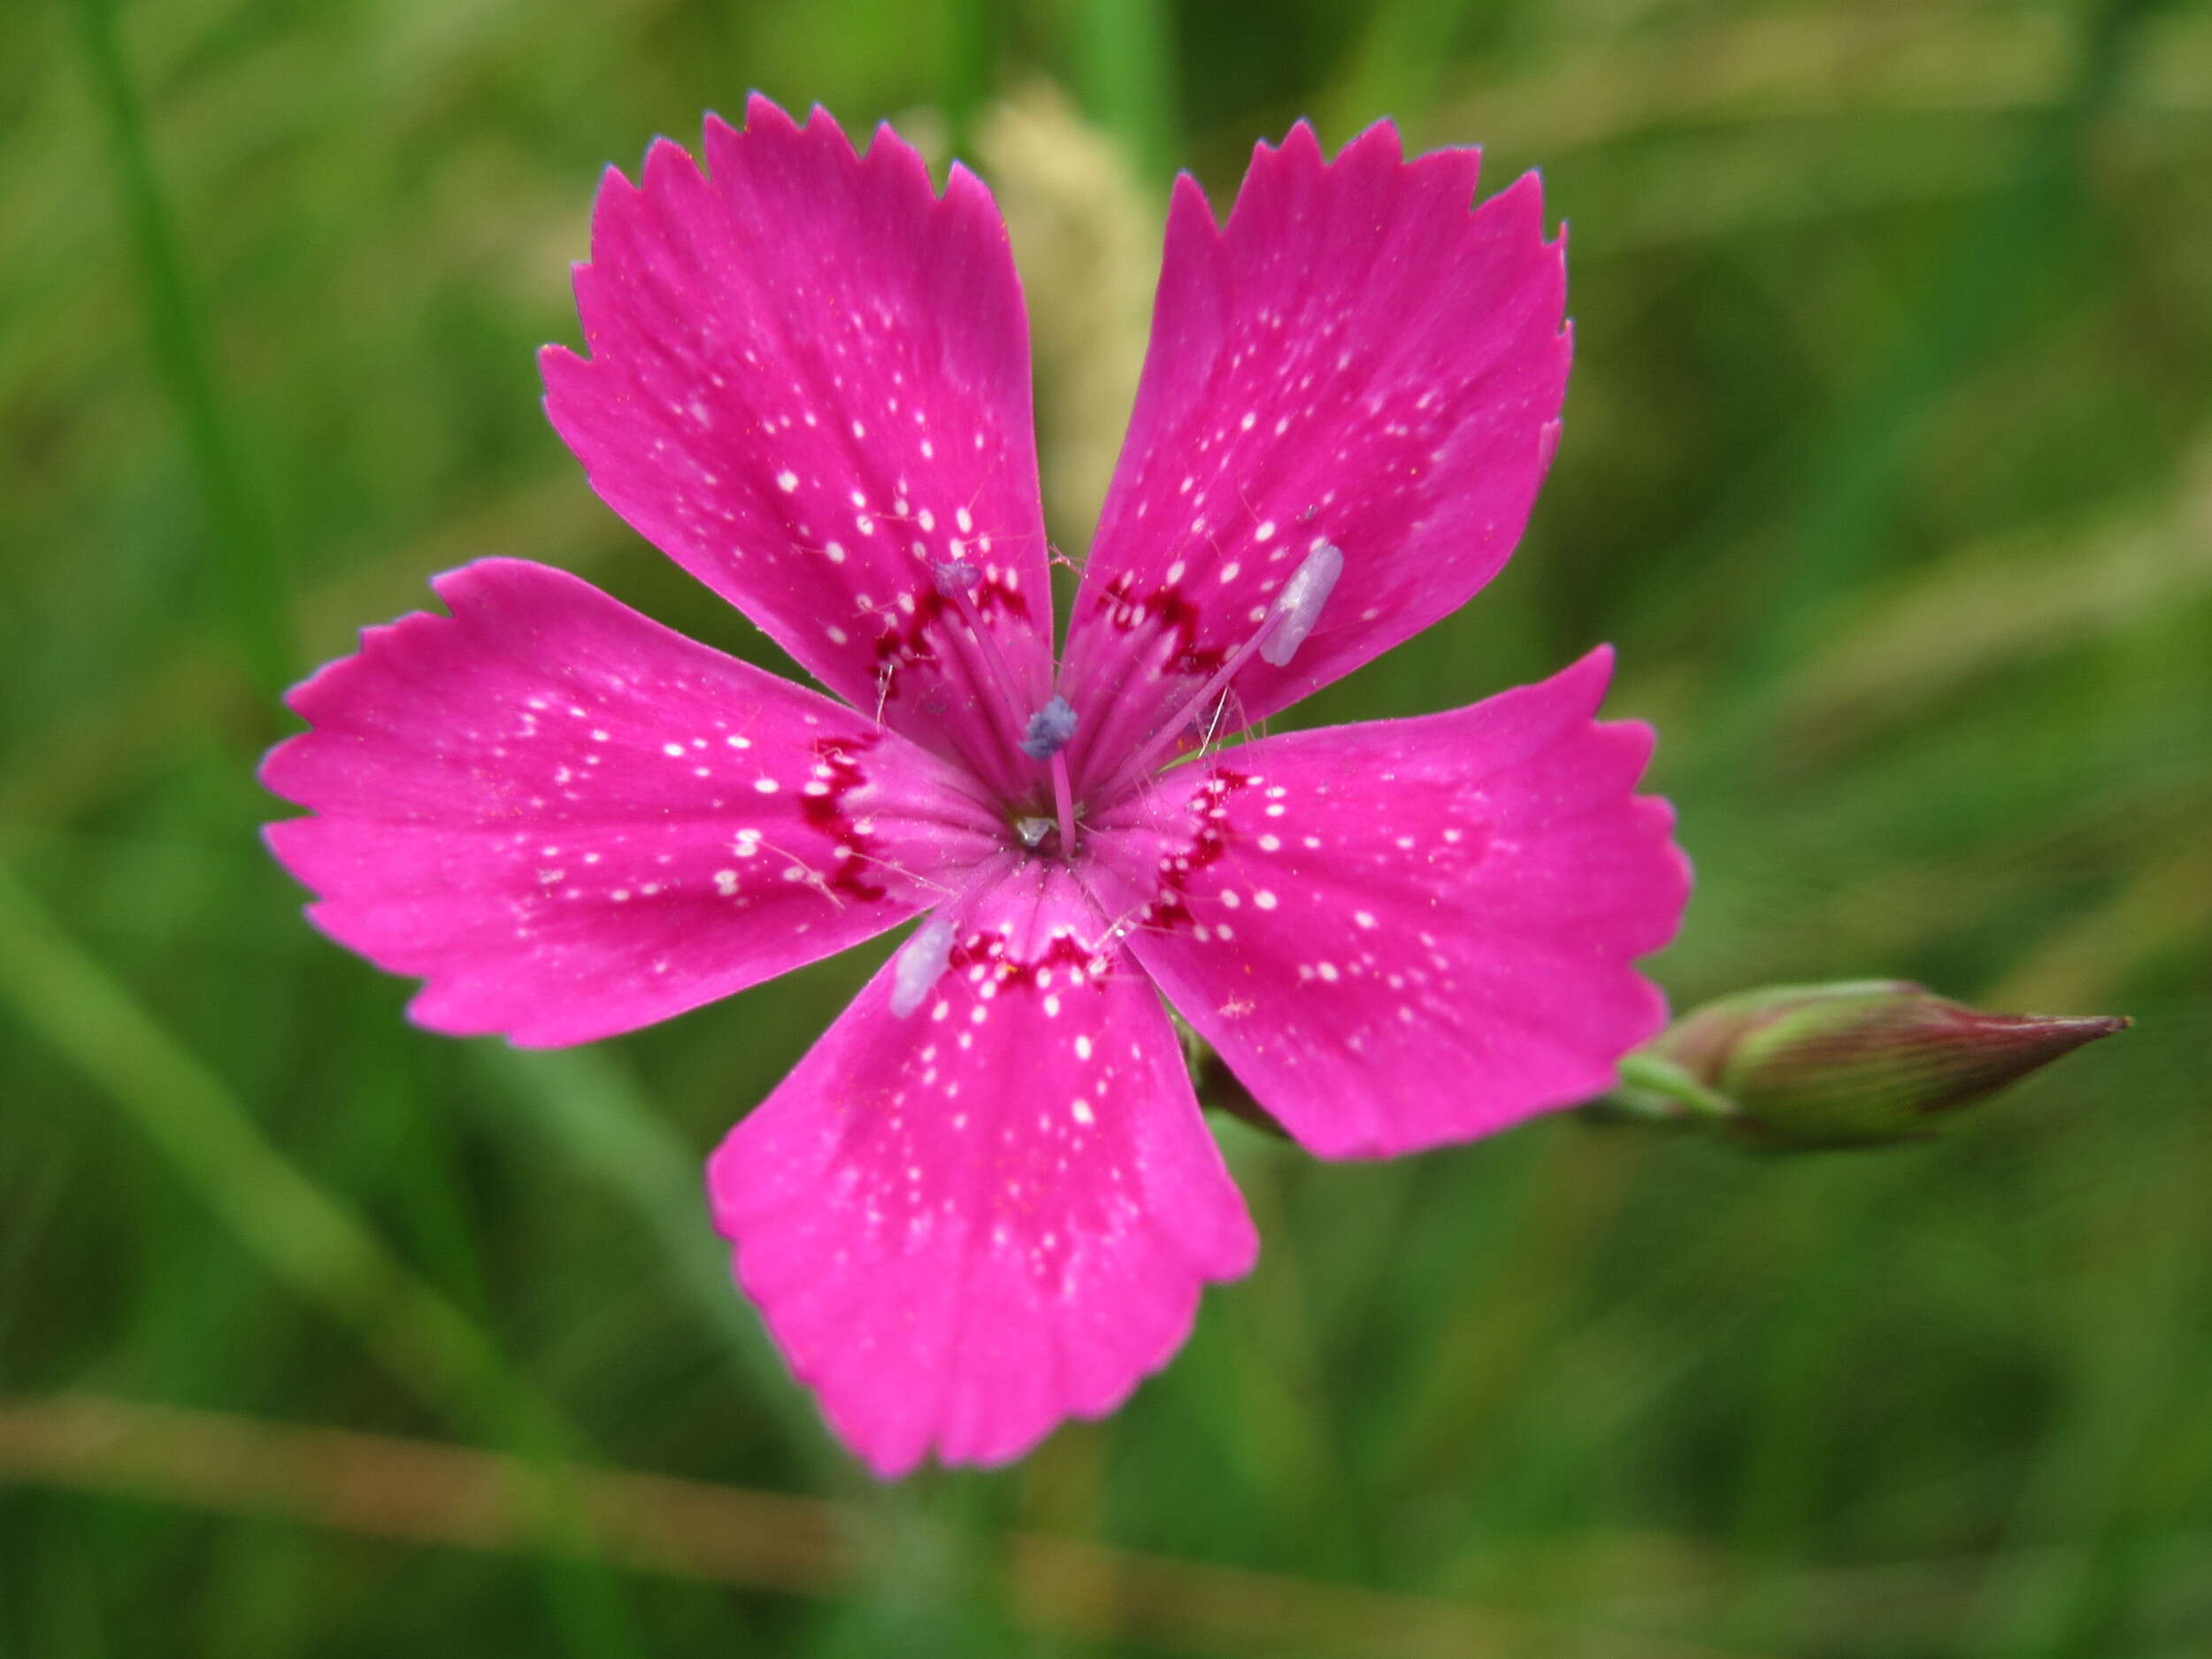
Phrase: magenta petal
[572,822]
[1356,359]
[809,384]
[1414,931]
[969,1223]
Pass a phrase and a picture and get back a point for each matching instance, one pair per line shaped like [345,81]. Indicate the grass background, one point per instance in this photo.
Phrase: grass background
[1888,467]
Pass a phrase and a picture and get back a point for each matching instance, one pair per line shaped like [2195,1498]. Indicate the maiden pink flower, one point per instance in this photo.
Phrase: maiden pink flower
[986,1199]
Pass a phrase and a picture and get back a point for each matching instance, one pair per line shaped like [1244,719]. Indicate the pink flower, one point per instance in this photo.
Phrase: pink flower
[986,1200]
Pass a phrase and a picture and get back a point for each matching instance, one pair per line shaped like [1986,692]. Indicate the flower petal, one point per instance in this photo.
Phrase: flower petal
[1356,360]
[968,1224]
[1415,931]
[571,821]
[808,383]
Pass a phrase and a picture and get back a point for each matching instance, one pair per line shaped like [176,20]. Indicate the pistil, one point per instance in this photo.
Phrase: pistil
[1063,803]
[1046,738]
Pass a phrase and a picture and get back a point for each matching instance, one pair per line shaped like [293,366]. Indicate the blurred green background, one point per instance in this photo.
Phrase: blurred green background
[1888,467]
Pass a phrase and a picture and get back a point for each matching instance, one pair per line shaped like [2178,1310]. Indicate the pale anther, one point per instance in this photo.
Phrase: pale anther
[920,962]
[955,577]
[1299,605]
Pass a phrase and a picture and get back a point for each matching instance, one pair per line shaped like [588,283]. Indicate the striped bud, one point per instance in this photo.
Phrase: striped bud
[1867,1062]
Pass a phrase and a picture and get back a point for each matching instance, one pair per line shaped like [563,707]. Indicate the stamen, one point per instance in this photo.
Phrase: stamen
[1281,632]
[1299,604]
[1049,729]
[920,962]
[956,579]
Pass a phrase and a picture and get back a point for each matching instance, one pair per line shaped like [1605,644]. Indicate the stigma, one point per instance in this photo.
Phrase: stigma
[1049,729]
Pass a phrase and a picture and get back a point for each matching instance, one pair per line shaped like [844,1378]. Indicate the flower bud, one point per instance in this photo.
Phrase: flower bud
[1867,1062]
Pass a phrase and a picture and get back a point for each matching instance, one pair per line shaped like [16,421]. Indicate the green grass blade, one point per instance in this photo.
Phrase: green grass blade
[1123,67]
[244,546]
[306,1237]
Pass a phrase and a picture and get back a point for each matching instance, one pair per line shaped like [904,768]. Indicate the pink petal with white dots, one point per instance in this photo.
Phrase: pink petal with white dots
[968,1224]
[572,822]
[1415,931]
[809,384]
[1356,359]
